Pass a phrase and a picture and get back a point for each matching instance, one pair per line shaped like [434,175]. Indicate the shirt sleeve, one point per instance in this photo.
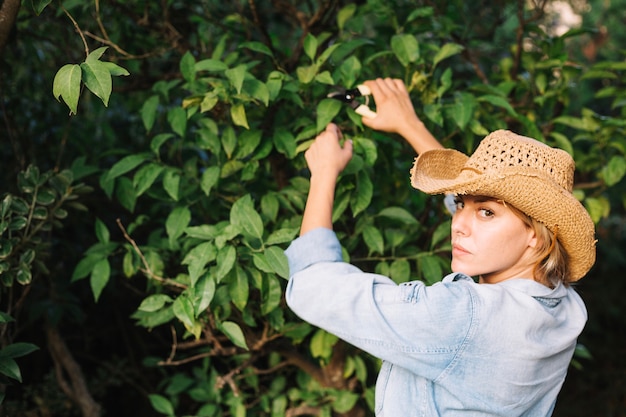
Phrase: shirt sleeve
[421,328]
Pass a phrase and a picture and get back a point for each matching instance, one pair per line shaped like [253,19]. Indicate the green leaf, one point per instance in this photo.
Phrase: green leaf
[282,236]
[310,46]
[441,234]
[614,171]
[96,54]
[8,367]
[234,333]
[462,110]
[238,287]
[399,214]
[161,404]
[598,208]
[183,310]
[322,344]
[66,85]
[5,318]
[176,222]
[39,6]
[285,142]
[257,47]
[226,258]
[498,102]
[277,260]
[447,51]
[149,112]
[400,270]
[260,262]
[344,14]
[405,48]
[171,183]
[125,193]
[430,266]
[187,67]
[126,164]
[154,302]
[238,115]
[243,215]
[229,141]
[97,79]
[211,65]
[364,193]
[204,291]
[248,142]
[115,70]
[17,350]
[209,179]
[327,109]
[236,76]
[45,197]
[177,118]
[373,239]
[85,266]
[158,141]
[17,223]
[271,294]
[258,90]
[344,401]
[145,177]
[100,277]
[102,232]
[326,54]
[197,258]
[306,74]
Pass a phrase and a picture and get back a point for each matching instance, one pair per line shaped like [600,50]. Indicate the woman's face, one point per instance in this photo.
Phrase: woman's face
[490,241]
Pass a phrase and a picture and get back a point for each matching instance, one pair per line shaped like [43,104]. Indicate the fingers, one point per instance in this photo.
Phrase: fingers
[385,88]
[393,105]
[326,153]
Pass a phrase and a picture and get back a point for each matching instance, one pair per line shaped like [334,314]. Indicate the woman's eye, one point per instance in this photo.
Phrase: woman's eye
[486,212]
[458,203]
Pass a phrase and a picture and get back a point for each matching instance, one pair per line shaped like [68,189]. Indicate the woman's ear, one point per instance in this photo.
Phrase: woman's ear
[533,239]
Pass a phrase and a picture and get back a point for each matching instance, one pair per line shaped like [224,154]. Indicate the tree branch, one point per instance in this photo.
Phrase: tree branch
[8,14]
[147,270]
[65,365]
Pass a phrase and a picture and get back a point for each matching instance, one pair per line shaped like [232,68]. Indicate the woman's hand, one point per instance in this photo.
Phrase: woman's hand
[326,159]
[396,114]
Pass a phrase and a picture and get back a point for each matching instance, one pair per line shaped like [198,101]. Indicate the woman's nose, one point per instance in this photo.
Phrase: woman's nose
[460,223]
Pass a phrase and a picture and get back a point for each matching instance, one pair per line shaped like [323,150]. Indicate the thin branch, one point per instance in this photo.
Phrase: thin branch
[174,344]
[78,30]
[147,270]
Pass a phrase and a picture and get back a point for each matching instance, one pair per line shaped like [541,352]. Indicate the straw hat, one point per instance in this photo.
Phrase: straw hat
[535,178]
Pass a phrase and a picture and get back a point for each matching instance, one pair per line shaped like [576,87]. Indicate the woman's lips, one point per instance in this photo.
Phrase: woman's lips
[458,250]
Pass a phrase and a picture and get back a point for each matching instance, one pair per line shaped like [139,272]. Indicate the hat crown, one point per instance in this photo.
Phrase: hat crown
[505,149]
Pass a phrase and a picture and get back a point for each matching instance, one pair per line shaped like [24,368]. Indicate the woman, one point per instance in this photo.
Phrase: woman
[498,346]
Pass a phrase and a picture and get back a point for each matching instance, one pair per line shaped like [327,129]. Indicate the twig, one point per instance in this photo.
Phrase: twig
[147,270]
[80,32]
[174,344]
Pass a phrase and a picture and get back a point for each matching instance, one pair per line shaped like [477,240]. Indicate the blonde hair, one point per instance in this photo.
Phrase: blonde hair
[552,266]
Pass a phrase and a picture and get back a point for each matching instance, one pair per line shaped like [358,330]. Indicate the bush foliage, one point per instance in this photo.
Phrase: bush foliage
[156,174]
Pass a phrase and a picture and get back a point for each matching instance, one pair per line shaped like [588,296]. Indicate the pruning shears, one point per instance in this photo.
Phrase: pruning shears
[350,97]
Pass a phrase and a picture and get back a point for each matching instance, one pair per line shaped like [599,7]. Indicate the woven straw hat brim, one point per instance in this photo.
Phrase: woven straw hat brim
[441,172]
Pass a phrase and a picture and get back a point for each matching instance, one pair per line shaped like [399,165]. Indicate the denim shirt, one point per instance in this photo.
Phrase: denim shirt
[455,348]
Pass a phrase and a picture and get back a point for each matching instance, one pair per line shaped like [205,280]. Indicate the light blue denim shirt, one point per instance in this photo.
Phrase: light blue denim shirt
[455,348]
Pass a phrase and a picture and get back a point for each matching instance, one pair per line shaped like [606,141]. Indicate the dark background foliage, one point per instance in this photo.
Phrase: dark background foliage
[208,129]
